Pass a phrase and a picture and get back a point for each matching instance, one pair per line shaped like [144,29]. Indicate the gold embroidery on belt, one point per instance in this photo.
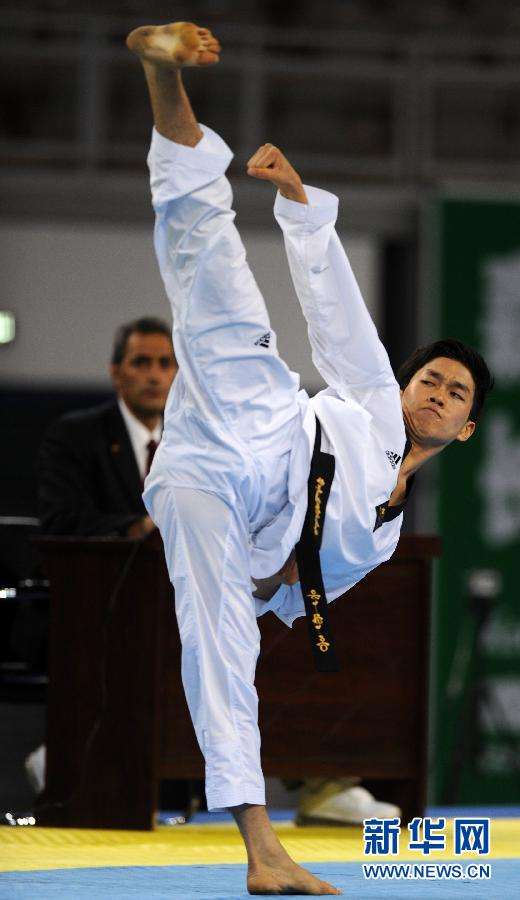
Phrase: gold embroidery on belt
[320,484]
[322,644]
[317,621]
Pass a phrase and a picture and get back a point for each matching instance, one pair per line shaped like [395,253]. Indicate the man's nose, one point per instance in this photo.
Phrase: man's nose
[438,400]
[154,373]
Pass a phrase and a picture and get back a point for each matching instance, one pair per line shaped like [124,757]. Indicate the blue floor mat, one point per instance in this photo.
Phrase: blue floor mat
[227,882]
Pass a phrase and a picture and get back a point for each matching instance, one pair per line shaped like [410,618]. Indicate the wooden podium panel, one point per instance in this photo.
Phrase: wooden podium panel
[106,601]
[117,717]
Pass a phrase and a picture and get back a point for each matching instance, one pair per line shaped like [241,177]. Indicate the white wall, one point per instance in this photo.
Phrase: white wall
[70,285]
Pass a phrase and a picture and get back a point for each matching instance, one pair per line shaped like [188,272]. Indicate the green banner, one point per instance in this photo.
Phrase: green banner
[476,647]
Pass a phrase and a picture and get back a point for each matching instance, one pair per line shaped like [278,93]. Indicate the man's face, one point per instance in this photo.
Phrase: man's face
[144,375]
[437,402]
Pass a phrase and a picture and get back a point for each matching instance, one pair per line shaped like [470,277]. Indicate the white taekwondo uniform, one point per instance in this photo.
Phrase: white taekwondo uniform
[228,485]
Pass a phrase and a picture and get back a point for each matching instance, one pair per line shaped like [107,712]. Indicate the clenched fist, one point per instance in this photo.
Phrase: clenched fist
[269,164]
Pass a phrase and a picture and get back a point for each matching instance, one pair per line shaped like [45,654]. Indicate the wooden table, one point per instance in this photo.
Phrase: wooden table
[117,717]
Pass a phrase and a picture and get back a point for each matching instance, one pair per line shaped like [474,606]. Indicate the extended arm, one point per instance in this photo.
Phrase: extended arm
[345,345]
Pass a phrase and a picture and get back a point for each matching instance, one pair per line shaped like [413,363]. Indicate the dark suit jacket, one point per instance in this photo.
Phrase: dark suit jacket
[89,483]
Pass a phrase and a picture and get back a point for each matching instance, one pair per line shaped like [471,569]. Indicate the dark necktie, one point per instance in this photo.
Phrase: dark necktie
[151,447]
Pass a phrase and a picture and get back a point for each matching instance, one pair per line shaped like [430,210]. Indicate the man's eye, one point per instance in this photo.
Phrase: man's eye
[425,381]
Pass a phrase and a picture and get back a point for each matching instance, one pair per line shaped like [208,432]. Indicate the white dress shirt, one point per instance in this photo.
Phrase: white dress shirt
[140,436]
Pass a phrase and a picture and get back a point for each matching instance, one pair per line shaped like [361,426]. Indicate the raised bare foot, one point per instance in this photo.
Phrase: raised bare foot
[287,879]
[178,44]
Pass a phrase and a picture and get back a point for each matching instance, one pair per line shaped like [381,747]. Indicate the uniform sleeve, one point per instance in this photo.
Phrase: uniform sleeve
[345,344]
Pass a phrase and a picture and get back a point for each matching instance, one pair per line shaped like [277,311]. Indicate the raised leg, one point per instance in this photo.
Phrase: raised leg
[163,51]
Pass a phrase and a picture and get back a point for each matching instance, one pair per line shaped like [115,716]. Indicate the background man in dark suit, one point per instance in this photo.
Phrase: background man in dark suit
[93,462]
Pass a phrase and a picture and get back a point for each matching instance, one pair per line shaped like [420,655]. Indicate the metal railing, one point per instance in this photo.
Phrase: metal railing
[393,109]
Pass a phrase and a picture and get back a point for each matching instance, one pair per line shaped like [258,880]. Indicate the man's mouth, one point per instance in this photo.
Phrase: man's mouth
[431,409]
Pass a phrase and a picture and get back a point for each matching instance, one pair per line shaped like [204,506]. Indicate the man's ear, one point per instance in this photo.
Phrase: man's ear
[466,432]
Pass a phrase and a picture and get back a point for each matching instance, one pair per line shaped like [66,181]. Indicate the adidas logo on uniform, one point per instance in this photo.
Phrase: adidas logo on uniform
[393,457]
[264,341]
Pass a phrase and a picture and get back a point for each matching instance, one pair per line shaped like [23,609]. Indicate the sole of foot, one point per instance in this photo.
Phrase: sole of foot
[178,44]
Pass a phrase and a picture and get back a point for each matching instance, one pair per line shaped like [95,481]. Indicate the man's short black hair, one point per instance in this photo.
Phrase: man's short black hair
[144,325]
[452,349]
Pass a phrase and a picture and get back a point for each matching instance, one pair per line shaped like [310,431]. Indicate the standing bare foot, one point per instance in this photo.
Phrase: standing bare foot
[287,879]
[270,868]
[177,44]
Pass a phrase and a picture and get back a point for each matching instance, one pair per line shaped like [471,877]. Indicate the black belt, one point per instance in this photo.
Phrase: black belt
[308,558]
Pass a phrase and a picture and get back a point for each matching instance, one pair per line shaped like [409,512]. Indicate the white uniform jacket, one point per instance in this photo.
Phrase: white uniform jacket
[360,411]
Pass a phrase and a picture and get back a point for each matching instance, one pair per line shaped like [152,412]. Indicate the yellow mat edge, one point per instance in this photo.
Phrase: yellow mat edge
[32,849]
